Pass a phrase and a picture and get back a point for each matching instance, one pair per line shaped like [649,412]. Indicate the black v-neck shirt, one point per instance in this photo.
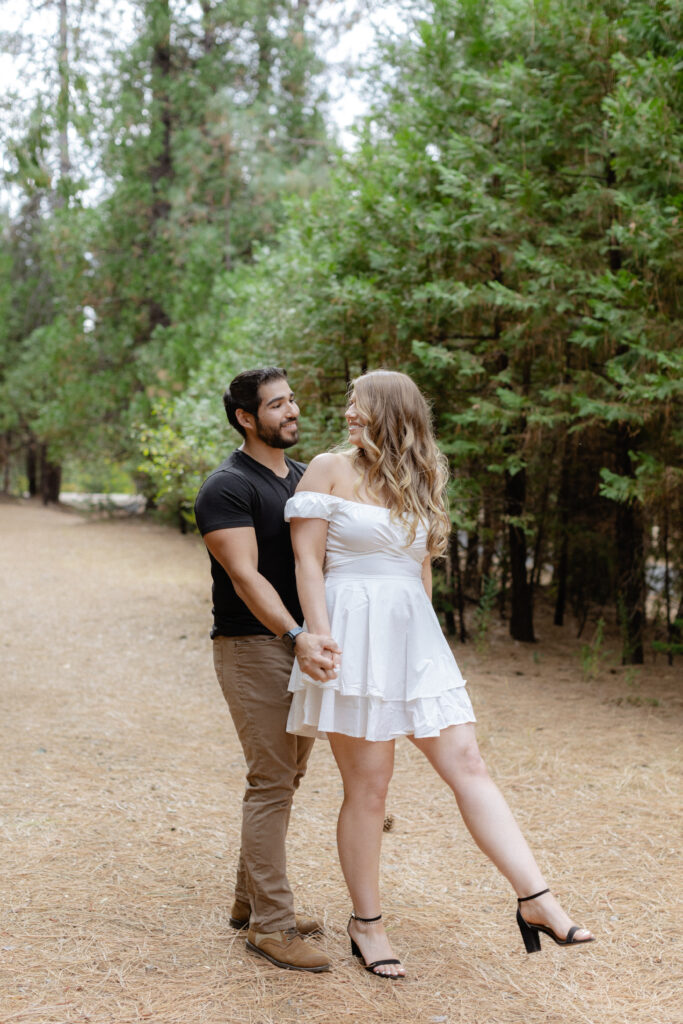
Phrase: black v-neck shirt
[242,492]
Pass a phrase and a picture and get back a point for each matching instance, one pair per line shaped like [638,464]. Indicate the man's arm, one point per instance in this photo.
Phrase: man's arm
[237,551]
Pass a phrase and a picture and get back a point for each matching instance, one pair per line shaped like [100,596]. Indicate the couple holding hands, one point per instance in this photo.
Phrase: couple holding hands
[344,546]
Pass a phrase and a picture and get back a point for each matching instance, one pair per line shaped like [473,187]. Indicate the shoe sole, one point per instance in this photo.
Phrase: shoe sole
[282,964]
[238,925]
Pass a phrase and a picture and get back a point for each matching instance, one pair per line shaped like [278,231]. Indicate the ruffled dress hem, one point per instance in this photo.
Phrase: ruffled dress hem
[316,711]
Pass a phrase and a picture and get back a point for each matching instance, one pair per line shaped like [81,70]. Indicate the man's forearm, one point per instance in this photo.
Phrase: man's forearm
[316,654]
[264,603]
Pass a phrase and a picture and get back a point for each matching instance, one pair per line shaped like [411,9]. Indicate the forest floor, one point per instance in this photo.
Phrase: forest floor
[120,810]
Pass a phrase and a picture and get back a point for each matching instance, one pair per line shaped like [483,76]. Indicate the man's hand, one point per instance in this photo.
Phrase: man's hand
[319,656]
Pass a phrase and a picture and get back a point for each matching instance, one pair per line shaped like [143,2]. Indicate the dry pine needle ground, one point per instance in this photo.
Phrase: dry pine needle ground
[119,818]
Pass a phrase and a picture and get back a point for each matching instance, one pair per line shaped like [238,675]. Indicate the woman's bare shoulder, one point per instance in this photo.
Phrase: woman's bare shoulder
[324,472]
[333,462]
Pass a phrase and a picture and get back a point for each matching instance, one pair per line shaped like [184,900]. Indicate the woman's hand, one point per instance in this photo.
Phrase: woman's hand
[319,656]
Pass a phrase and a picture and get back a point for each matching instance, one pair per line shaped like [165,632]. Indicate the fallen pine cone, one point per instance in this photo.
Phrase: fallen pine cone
[388,823]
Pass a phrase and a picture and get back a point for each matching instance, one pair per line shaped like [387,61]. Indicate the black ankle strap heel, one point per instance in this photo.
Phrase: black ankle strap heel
[530,932]
[355,951]
[532,942]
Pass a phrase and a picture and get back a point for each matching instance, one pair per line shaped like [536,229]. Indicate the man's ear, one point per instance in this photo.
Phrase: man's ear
[244,418]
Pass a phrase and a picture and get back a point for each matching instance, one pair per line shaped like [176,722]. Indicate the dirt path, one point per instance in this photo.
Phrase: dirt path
[120,800]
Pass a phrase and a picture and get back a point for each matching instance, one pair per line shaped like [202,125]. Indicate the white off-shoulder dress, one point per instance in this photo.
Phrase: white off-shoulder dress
[398,676]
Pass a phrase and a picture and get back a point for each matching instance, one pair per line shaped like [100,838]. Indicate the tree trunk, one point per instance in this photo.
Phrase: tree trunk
[449,614]
[539,547]
[564,514]
[521,614]
[504,572]
[472,582]
[264,42]
[208,25]
[32,468]
[454,549]
[161,171]
[50,478]
[63,106]
[6,460]
[629,518]
[676,632]
[227,201]
[489,539]
[630,538]
[667,579]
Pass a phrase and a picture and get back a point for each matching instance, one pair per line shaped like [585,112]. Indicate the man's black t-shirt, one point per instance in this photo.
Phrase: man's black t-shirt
[242,492]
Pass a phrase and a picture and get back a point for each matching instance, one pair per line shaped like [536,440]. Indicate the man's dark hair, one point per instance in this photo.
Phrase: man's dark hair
[243,392]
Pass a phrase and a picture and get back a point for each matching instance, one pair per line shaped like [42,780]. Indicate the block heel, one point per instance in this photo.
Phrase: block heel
[532,941]
[531,932]
[355,951]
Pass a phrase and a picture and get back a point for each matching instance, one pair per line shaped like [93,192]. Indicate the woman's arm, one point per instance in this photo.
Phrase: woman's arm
[309,537]
[427,576]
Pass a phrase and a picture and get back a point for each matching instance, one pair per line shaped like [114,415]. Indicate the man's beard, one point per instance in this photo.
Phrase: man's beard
[272,436]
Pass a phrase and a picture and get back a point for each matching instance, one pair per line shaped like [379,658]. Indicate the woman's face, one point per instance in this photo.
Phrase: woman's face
[355,422]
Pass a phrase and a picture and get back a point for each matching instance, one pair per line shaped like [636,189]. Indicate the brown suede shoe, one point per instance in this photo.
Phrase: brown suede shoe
[287,950]
[239,918]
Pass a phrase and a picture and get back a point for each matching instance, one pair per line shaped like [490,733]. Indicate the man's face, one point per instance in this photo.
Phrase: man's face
[277,419]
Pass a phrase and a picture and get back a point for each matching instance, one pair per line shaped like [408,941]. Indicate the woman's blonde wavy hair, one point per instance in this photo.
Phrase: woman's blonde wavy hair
[400,462]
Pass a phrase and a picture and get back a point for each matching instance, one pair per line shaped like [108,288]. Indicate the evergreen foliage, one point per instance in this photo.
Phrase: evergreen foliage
[507,230]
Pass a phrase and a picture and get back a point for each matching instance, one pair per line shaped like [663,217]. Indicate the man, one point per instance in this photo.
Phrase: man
[256,634]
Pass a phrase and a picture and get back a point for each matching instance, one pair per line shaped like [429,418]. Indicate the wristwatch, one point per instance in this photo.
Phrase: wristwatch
[289,638]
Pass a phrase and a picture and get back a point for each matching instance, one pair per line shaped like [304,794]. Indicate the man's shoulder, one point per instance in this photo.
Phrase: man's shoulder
[232,473]
[299,467]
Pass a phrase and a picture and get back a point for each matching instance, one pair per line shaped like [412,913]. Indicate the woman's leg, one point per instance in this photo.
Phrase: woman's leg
[455,756]
[366,770]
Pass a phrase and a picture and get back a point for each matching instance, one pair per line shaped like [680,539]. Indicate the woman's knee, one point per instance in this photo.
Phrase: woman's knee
[469,761]
[370,791]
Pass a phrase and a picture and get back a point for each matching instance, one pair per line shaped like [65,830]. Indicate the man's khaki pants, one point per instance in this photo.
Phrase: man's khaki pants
[253,672]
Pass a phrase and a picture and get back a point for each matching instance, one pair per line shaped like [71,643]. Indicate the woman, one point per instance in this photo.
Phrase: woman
[365,525]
